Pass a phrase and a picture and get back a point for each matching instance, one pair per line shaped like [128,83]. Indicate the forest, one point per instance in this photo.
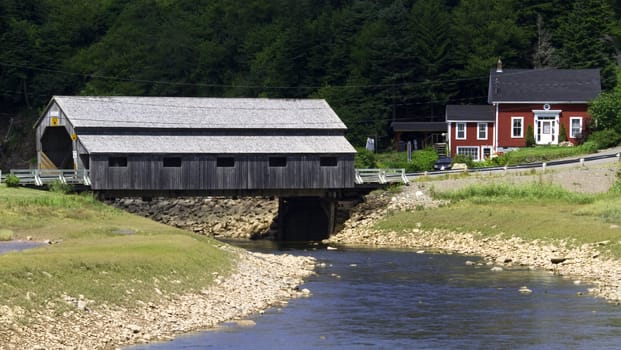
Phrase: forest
[374,61]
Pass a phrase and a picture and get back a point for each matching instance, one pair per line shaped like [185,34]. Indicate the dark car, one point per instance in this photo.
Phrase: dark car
[443,163]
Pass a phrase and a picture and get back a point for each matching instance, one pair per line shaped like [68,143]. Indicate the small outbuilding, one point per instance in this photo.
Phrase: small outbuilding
[183,144]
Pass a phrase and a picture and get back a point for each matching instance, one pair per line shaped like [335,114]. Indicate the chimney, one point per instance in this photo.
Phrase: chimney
[499,66]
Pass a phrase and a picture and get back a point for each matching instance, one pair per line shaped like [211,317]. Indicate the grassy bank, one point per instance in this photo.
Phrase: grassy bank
[533,211]
[108,256]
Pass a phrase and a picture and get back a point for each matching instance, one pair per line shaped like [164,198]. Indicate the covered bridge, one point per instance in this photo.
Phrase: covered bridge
[197,145]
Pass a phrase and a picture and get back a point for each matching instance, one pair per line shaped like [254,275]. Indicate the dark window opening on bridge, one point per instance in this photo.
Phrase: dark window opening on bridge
[85,161]
[225,162]
[117,162]
[278,162]
[172,162]
[328,161]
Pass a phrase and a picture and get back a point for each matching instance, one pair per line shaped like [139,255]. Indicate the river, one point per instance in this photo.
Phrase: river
[400,299]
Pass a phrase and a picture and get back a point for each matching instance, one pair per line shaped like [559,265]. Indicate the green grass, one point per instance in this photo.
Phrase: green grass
[6,235]
[545,153]
[502,192]
[387,159]
[535,211]
[96,257]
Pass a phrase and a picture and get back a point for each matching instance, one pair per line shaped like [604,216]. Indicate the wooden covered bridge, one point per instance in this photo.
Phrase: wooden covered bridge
[177,146]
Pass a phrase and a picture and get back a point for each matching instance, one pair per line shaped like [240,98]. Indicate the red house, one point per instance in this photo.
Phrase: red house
[545,99]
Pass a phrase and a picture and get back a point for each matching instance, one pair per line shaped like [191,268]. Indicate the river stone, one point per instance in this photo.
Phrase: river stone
[82,305]
[246,323]
[134,328]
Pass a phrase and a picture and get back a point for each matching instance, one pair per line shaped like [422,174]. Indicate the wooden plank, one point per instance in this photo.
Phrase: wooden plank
[201,172]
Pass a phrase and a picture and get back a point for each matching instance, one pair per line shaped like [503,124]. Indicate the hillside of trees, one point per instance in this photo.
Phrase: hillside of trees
[375,61]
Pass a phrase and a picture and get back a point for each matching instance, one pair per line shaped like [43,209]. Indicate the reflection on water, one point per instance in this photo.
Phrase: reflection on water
[396,299]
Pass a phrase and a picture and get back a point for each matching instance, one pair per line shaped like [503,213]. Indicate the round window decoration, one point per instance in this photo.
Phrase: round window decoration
[546,106]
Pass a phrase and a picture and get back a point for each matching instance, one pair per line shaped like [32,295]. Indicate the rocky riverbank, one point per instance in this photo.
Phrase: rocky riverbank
[258,282]
[582,263]
[244,218]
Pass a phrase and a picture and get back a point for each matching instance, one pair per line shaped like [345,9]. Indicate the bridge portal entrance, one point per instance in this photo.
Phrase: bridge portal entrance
[56,149]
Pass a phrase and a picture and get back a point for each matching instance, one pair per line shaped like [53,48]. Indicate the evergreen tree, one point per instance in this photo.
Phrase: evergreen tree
[383,60]
[530,136]
[20,50]
[430,31]
[543,56]
[583,39]
[562,133]
[375,61]
[483,31]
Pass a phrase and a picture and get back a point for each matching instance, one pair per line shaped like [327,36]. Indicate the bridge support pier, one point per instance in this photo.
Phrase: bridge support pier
[306,218]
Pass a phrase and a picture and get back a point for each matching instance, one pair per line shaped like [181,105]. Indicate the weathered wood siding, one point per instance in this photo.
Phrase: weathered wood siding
[60,146]
[200,172]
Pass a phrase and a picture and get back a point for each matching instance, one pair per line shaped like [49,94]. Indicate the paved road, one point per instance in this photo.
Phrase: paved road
[597,175]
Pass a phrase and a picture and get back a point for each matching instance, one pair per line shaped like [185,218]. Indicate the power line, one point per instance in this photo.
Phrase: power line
[213,85]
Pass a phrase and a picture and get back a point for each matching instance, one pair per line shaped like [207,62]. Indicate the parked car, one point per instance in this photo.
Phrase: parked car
[443,163]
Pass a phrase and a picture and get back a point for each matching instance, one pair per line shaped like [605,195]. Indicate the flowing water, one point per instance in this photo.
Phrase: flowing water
[398,299]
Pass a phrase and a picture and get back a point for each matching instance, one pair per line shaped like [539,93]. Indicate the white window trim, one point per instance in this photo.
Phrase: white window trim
[571,129]
[471,147]
[457,131]
[479,131]
[521,119]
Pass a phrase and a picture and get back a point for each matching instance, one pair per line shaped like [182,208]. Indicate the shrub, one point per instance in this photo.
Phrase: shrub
[530,136]
[501,160]
[605,138]
[562,133]
[60,187]
[589,147]
[6,235]
[364,159]
[422,160]
[460,158]
[12,180]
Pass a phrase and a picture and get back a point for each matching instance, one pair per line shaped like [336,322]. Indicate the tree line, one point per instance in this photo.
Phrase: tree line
[375,61]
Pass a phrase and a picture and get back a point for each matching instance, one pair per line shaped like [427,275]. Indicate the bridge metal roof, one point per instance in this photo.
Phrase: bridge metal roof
[215,144]
[197,113]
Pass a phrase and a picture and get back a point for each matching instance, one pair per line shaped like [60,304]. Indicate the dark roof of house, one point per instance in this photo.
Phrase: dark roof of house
[418,126]
[465,113]
[543,85]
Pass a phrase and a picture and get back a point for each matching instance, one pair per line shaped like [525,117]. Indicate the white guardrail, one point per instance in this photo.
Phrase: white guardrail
[40,177]
[380,176]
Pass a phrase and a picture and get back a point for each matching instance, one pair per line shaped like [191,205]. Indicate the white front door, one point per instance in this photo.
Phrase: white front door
[546,131]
